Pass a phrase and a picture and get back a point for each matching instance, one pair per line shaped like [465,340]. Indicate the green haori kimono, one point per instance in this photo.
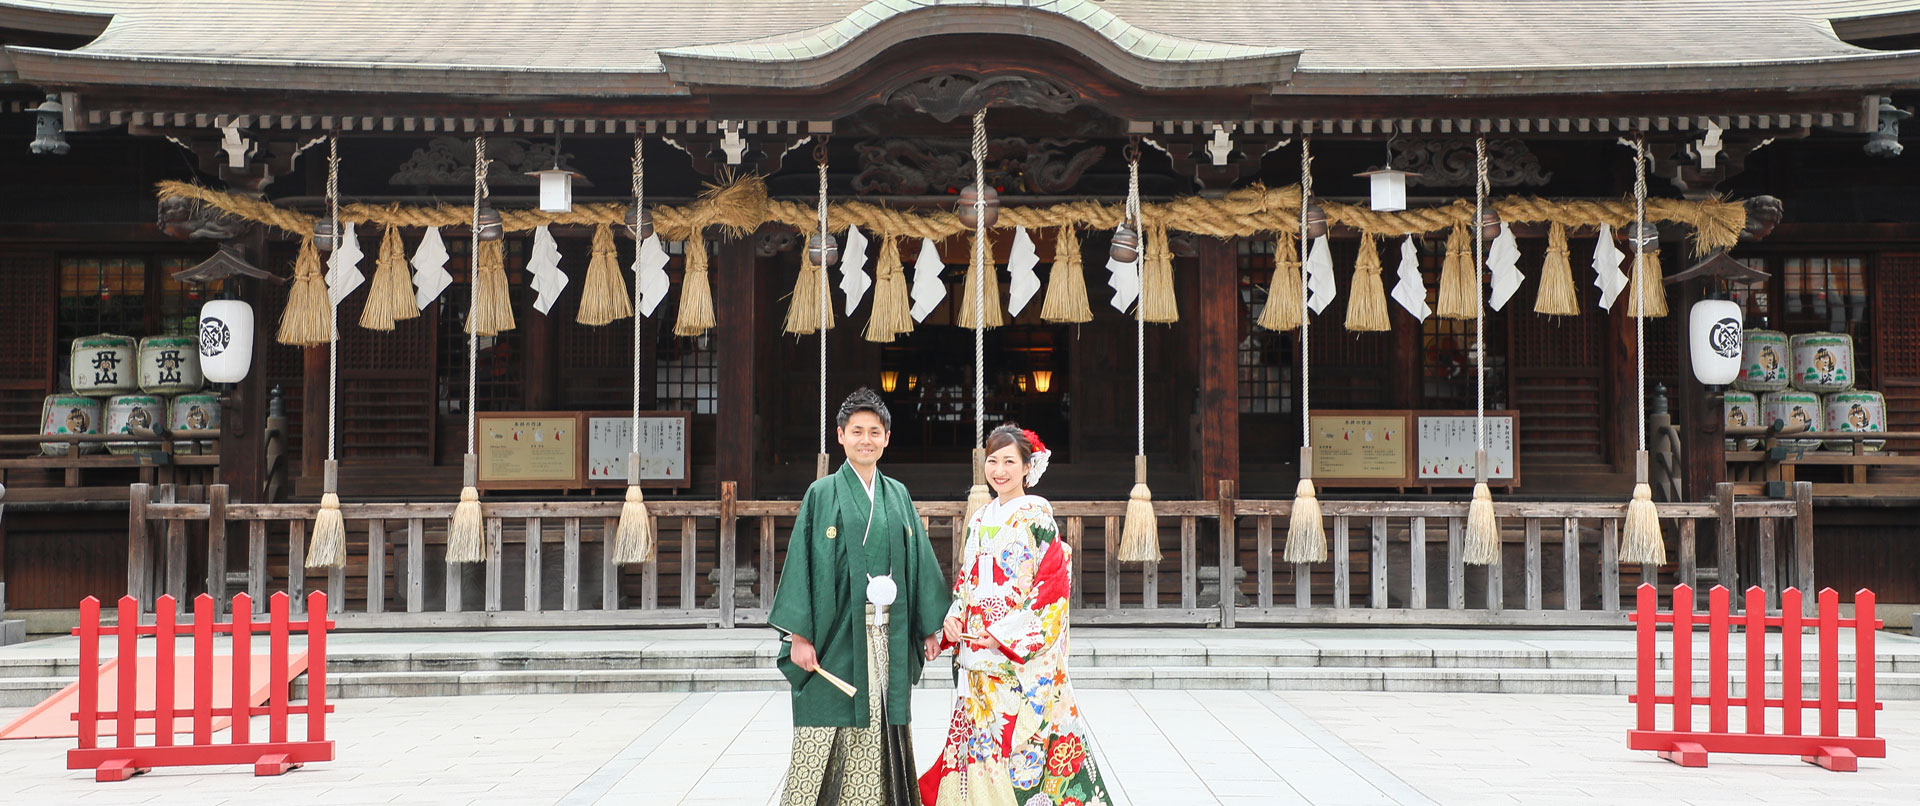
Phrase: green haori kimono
[822,595]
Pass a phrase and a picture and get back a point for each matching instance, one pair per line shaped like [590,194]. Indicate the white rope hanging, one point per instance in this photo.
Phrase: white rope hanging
[821,266]
[480,165]
[1639,284]
[333,310]
[639,205]
[1480,187]
[980,276]
[1306,331]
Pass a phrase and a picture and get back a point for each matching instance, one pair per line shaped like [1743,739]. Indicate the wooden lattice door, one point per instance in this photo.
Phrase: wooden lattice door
[387,389]
[1896,289]
[26,327]
[1559,381]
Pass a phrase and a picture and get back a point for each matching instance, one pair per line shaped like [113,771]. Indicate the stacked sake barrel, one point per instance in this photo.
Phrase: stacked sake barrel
[1807,382]
[121,385]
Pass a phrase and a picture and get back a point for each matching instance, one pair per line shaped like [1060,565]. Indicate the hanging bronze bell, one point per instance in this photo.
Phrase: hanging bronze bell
[324,237]
[1126,245]
[1641,236]
[1489,224]
[823,257]
[1316,220]
[491,228]
[639,223]
[990,200]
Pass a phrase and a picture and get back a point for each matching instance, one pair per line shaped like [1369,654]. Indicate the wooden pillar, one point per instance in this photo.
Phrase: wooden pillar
[1621,388]
[1216,326]
[243,422]
[539,360]
[313,410]
[735,307]
[1702,426]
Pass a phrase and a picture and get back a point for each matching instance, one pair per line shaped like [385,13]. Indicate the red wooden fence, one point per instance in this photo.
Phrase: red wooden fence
[127,757]
[1684,744]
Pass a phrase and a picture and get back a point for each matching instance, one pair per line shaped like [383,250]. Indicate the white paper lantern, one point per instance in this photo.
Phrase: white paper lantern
[1389,189]
[1716,340]
[226,340]
[556,190]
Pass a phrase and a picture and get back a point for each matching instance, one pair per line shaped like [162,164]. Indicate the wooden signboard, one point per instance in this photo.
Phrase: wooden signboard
[529,450]
[1361,448]
[665,458]
[1446,441]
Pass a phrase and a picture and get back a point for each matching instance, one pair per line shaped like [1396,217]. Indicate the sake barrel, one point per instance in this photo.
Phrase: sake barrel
[195,412]
[1856,410]
[170,365]
[1741,410]
[69,414]
[1799,410]
[128,412]
[103,365]
[1823,362]
[1764,363]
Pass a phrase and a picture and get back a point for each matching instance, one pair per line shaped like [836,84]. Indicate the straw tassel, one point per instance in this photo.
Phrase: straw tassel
[1367,307]
[329,547]
[1282,312]
[1483,529]
[633,541]
[1640,541]
[892,314]
[804,314]
[466,537]
[1140,532]
[390,297]
[696,291]
[492,308]
[1656,288]
[1067,282]
[1157,294]
[993,315]
[1306,534]
[604,298]
[1459,288]
[1557,296]
[307,320]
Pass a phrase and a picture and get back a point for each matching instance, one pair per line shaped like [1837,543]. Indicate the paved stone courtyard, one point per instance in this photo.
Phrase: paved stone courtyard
[1155,747]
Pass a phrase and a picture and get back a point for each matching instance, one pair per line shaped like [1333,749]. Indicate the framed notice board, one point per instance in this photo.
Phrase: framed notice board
[1362,448]
[528,450]
[665,458]
[1447,442]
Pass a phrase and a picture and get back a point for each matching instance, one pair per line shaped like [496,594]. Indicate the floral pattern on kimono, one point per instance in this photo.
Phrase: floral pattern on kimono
[1016,736]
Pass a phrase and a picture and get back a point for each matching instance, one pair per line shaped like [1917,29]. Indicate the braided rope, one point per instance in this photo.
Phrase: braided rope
[1479,297]
[480,163]
[1639,281]
[333,310]
[640,206]
[980,275]
[1139,308]
[821,267]
[1306,356]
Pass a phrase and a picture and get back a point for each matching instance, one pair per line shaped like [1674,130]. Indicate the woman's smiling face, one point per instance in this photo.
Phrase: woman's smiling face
[1006,471]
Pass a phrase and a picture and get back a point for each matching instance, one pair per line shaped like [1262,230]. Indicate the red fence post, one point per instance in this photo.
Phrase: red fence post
[165,614]
[128,666]
[89,708]
[1864,624]
[1683,658]
[317,624]
[1719,684]
[242,668]
[277,694]
[1829,662]
[1756,660]
[203,617]
[1792,693]
[1645,608]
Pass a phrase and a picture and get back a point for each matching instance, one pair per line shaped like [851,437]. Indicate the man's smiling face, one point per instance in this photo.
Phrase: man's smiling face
[864,438]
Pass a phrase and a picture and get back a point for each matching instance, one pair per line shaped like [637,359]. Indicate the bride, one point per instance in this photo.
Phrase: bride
[1015,738]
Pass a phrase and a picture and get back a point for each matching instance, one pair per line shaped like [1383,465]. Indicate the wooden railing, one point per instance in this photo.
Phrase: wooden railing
[719,560]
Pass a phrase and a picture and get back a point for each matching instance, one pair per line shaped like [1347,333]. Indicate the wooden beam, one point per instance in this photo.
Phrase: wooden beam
[1216,342]
[735,314]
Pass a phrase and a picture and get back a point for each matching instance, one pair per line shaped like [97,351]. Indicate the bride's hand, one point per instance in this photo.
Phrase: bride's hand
[987,643]
[951,628]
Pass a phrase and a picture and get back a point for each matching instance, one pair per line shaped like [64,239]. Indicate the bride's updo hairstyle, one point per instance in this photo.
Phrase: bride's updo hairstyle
[1011,434]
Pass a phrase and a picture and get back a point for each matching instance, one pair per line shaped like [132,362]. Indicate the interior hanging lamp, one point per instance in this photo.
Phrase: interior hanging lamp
[329,548]
[1306,535]
[1140,531]
[1483,528]
[466,538]
[1640,541]
[633,540]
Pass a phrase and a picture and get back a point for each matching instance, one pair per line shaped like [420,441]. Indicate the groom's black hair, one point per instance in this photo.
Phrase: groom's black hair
[864,399]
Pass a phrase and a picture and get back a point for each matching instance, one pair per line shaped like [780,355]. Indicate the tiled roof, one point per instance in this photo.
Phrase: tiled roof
[1343,46]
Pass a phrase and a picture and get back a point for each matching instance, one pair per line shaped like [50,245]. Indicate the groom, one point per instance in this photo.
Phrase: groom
[856,526]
